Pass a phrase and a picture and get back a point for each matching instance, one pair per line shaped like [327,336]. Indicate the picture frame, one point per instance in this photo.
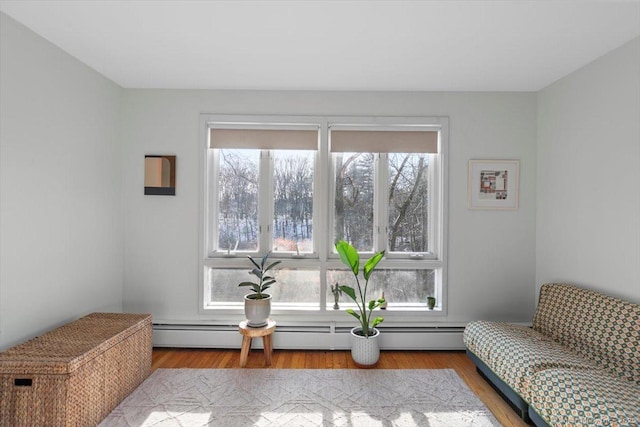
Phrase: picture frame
[159,175]
[493,184]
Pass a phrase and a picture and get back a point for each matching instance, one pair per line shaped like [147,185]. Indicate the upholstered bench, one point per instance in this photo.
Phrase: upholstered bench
[76,374]
[579,365]
[571,397]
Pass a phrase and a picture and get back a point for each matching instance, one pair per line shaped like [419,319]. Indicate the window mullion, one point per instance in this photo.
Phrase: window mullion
[322,199]
[381,202]
[434,209]
[323,236]
[265,203]
[213,203]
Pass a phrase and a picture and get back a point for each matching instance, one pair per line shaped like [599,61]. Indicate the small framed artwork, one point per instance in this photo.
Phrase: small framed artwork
[159,175]
[493,184]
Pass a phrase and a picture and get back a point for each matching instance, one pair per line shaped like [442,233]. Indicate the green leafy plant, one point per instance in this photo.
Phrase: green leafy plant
[350,257]
[264,280]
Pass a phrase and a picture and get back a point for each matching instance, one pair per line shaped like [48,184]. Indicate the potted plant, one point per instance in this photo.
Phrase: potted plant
[365,348]
[257,305]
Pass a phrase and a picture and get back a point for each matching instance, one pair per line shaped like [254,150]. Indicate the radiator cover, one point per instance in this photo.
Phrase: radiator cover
[321,337]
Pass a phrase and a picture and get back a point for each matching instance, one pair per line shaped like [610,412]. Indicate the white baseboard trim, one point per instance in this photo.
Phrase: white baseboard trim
[307,337]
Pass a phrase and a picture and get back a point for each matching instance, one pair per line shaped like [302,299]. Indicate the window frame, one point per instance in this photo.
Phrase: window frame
[324,258]
[437,178]
[265,188]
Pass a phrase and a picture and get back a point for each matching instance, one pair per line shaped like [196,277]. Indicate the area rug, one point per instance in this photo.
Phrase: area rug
[301,397]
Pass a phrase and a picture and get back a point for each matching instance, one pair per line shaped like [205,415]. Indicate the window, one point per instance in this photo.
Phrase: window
[408,219]
[239,187]
[297,186]
[238,199]
[251,165]
[382,179]
[293,201]
[354,199]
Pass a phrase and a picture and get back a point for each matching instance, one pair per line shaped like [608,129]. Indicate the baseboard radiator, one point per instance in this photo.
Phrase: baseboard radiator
[326,337]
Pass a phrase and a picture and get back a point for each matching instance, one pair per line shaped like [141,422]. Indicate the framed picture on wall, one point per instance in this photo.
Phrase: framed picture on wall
[159,175]
[493,184]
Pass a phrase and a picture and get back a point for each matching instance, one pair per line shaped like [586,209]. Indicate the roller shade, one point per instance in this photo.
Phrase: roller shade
[384,141]
[265,139]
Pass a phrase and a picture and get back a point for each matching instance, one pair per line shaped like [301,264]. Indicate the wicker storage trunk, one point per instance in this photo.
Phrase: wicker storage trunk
[76,374]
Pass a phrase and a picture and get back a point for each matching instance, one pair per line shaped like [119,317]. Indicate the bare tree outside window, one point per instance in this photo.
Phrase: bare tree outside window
[408,203]
[238,200]
[354,199]
[293,201]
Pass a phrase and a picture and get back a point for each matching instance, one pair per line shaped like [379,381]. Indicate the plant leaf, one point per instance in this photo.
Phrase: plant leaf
[349,291]
[254,262]
[256,272]
[377,321]
[372,304]
[348,255]
[353,313]
[371,264]
[273,264]
[247,284]
[268,283]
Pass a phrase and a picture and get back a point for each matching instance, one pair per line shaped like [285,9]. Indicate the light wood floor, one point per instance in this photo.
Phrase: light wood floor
[289,359]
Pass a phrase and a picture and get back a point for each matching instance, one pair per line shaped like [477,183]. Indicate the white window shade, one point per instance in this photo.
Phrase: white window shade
[384,141]
[265,139]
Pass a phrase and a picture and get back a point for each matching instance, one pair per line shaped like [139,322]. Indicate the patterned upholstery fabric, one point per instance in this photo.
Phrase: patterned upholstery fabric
[598,327]
[564,397]
[580,363]
[515,353]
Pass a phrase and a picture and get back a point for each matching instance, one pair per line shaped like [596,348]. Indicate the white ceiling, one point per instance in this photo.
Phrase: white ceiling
[333,45]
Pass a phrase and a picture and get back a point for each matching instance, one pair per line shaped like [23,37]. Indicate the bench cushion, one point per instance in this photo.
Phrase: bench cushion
[579,397]
[514,353]
[598,327]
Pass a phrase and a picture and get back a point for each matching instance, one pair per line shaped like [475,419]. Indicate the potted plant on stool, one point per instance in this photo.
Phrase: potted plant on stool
[257,305]
[365,348]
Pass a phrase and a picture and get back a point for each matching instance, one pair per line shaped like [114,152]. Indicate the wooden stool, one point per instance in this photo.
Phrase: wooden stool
[249,333]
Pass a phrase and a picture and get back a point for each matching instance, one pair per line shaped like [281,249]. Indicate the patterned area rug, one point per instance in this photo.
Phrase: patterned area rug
[302,397]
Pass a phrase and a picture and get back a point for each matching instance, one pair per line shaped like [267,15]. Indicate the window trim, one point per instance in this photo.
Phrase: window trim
[322,258]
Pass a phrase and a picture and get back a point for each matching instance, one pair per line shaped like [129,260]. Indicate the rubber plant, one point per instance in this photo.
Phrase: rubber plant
[264,280]
[350,257]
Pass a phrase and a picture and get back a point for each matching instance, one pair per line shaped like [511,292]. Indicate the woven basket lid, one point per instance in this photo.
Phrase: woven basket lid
[63,349]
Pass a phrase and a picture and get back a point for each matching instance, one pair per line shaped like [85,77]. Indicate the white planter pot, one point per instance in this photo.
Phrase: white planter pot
[365,351]
[257,310]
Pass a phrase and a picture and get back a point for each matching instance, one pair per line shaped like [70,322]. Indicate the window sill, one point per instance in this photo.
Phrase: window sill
[304,315]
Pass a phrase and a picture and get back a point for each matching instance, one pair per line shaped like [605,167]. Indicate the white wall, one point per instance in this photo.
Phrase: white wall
[71,161]
[588,209]
[60,187]
[491,253]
